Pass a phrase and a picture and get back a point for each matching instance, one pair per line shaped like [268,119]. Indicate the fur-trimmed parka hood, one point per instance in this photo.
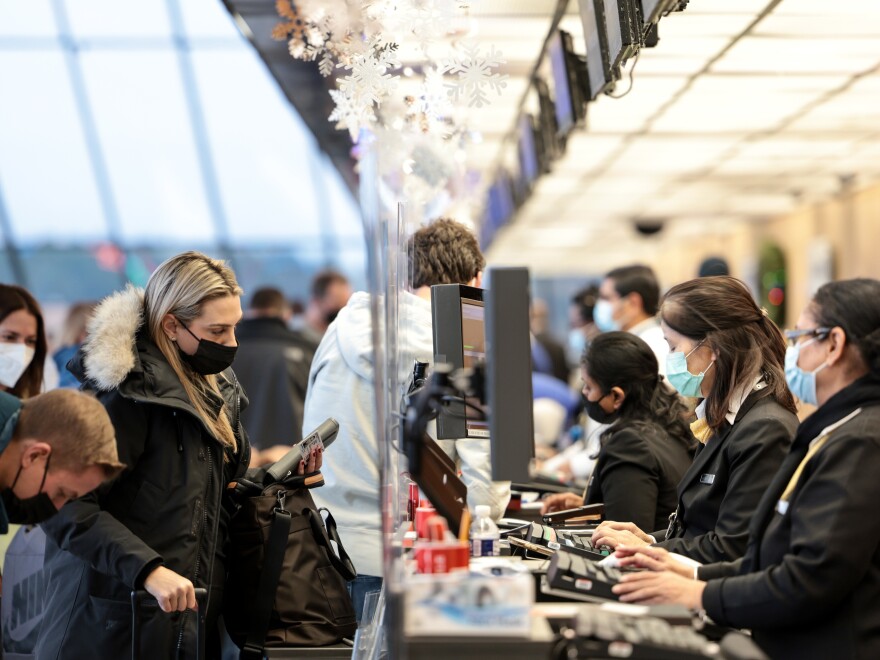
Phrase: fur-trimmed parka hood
[109,352]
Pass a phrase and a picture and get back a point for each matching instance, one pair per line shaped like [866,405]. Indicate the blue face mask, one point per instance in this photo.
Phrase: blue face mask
[680,378]
[801,383]
[603,316]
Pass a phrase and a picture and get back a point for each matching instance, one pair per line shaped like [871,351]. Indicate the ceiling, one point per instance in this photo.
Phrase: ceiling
[747,109]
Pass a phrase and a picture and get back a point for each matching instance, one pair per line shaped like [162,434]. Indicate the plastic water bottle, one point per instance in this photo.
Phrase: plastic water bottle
[485,537]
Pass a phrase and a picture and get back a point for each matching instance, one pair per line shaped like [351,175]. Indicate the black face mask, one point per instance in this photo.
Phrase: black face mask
[596,413]
[210,357]
[30,510]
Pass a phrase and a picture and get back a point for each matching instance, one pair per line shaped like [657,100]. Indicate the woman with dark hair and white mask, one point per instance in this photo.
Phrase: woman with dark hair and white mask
[725,350]
[22,342]
[809,584]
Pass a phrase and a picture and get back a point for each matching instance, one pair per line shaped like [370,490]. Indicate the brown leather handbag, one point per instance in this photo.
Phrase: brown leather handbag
[287,568]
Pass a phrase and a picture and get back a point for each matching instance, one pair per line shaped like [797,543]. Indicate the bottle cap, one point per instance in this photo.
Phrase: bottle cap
[483,510]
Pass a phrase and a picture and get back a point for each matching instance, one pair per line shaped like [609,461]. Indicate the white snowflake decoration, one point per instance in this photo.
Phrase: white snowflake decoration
[433,100]
[326,65]
[350,113]
[369,81]
[475,75]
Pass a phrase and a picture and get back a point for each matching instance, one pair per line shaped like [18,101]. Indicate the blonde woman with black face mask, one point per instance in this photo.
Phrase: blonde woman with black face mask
[159,360]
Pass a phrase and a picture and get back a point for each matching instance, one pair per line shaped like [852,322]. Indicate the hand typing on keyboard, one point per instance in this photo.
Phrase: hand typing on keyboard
[613,533]
[652,559]
[663,588]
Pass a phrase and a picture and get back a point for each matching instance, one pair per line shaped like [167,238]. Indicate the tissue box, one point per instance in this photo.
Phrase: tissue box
[468,603]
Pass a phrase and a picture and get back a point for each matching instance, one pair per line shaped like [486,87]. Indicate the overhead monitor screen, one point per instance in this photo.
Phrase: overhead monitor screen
[596,62]
[614,31]
[651,10]
[559,64]
[528,149]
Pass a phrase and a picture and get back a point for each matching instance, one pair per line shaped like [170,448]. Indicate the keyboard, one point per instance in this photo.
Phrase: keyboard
[578,543]
[571,572]
[612,634]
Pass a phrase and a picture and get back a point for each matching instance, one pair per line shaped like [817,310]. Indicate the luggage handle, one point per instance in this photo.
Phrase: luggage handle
[141,597]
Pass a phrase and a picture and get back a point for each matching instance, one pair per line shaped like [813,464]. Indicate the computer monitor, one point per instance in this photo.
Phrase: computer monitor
[529,157]
[652,10]
[569,96]
[550,147]
[509,373]
[565,115]
[596,38]
[459,340]
[624,33]
[500,206]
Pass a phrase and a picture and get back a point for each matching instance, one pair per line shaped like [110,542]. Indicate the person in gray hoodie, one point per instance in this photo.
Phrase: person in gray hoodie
[341,386]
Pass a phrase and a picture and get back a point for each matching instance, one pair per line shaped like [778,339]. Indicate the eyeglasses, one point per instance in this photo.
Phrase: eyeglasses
[793,336]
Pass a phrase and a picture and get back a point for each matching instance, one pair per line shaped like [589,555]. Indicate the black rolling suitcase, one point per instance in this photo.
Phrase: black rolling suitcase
[141,599]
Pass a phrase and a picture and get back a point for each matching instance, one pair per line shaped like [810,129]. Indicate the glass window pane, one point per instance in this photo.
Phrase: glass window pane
[264,156]
[207,18]
[147,138]
[49,274]
[284,269]
[345,213]
[45,172]
[6,274]
[118,18]
[351,259]
[26,18]
[141,262]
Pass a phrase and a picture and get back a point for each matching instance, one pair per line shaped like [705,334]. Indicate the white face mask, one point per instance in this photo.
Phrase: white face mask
[14,359]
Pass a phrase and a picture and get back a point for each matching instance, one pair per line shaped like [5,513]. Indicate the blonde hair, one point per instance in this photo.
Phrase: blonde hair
[180,286]
[77,428]
[75,324]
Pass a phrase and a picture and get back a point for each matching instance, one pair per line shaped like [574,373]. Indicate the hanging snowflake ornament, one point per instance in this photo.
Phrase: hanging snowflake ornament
[433,100]
[350,113]
[293,29]
[370,81]
[475,75]
[326,65]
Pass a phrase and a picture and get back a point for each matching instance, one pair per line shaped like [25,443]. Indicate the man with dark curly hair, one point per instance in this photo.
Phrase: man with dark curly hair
[341,386]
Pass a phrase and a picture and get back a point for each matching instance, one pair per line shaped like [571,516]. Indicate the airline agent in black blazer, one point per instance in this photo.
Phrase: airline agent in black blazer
[724,348]
[809,584]
[647,447]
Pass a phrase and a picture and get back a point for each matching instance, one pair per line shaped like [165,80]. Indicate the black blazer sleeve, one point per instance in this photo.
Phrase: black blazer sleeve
[82,528]
[754,450]
[628,479]
[835,531]
[719,569]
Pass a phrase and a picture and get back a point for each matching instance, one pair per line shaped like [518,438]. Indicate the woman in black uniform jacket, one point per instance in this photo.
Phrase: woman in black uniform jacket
[159,362]
[725,349]
[647,448]
[809,585]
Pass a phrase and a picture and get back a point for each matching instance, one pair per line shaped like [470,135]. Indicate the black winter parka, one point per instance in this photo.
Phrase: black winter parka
[167,508]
